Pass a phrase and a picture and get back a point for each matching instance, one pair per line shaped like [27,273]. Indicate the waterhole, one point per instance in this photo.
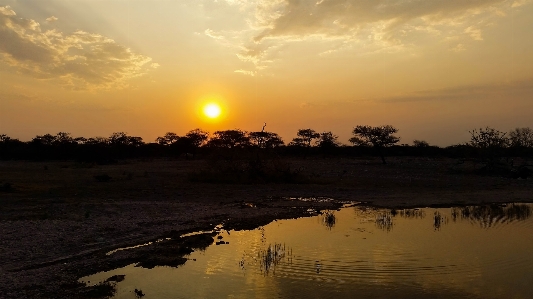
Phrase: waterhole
[358,252]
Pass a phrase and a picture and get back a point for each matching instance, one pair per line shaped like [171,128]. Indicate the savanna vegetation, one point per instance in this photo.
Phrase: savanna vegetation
[256,154]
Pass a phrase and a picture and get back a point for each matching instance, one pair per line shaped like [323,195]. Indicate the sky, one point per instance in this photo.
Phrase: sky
[434,69]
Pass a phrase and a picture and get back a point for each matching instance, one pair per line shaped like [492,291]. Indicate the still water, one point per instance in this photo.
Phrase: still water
[357,252]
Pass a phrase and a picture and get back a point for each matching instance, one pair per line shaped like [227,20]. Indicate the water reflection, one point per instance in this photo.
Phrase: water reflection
[384,221]
[272,256]
[439,220]
[412,213]
[365,252]
[328,219]
[489,215]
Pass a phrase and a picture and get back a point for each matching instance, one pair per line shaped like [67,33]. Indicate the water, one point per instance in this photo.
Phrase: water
[357,252]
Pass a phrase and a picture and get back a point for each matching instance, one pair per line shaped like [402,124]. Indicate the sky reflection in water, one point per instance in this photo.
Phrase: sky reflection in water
[358,252]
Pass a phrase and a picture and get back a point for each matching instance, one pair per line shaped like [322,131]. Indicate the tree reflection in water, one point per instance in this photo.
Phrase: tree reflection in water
[439,220]
[490,215]
[412,213]
[384,221]
[272,256]
[329,219]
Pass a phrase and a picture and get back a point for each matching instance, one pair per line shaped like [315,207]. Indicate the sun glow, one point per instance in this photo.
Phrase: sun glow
[212,110]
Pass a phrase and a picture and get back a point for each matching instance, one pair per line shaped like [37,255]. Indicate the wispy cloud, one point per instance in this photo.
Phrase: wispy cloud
[470,92]
[79,60]
[245,72]
[458,48]
[373,25]
[51,19]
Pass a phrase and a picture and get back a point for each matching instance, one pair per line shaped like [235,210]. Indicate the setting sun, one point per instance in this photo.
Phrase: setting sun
[212,110]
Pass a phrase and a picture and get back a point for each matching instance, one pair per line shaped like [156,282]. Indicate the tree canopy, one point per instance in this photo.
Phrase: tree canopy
[376,137]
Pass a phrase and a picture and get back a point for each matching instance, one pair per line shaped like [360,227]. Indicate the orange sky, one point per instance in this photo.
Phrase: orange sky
[434,69]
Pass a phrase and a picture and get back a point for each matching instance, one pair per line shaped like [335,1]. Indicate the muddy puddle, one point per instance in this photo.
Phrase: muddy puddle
[356,252]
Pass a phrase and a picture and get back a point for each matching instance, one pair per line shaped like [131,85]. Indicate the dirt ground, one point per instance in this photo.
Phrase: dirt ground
[57,222]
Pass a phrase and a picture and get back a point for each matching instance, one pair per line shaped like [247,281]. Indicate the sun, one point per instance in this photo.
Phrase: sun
[212,110]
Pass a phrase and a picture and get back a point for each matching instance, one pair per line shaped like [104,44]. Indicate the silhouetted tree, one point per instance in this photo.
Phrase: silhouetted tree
[420,143]
[122,139]
[97,140]
[521,137]
[265,139]
[229,139]
[490,144]
[305,137]
[327,140]
[488,138]
[10,147]
[4,138]
[46,139]
[168,139]
[80,140]
[191,142]
[197,137]
[376,137]
[63,138]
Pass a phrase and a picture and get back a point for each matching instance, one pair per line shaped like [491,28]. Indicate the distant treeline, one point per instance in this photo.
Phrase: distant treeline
[486,143]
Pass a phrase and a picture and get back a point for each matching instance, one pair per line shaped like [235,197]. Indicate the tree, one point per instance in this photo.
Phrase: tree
[229,139]
[197,137]
[521,137]
[490,144]
[420,143]
[80,140]
[488,138]
[8,140]
[121,139]
[169,139]
[376,137]
[265,139]
[327,140]
[97,141]
[4,138]
[9,147]
[190,143]
[46,139]
[63,138]
[305,137]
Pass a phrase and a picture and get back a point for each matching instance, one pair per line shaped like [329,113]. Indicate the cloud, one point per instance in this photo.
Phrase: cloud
[350,17]
[79,60]
[474,33]
[458,48]
[508,90]
[51,19]
[245,72]
[373,25]
[212,34]
[519,3]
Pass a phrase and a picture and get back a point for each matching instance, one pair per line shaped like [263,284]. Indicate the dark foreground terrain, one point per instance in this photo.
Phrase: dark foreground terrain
[59,219]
